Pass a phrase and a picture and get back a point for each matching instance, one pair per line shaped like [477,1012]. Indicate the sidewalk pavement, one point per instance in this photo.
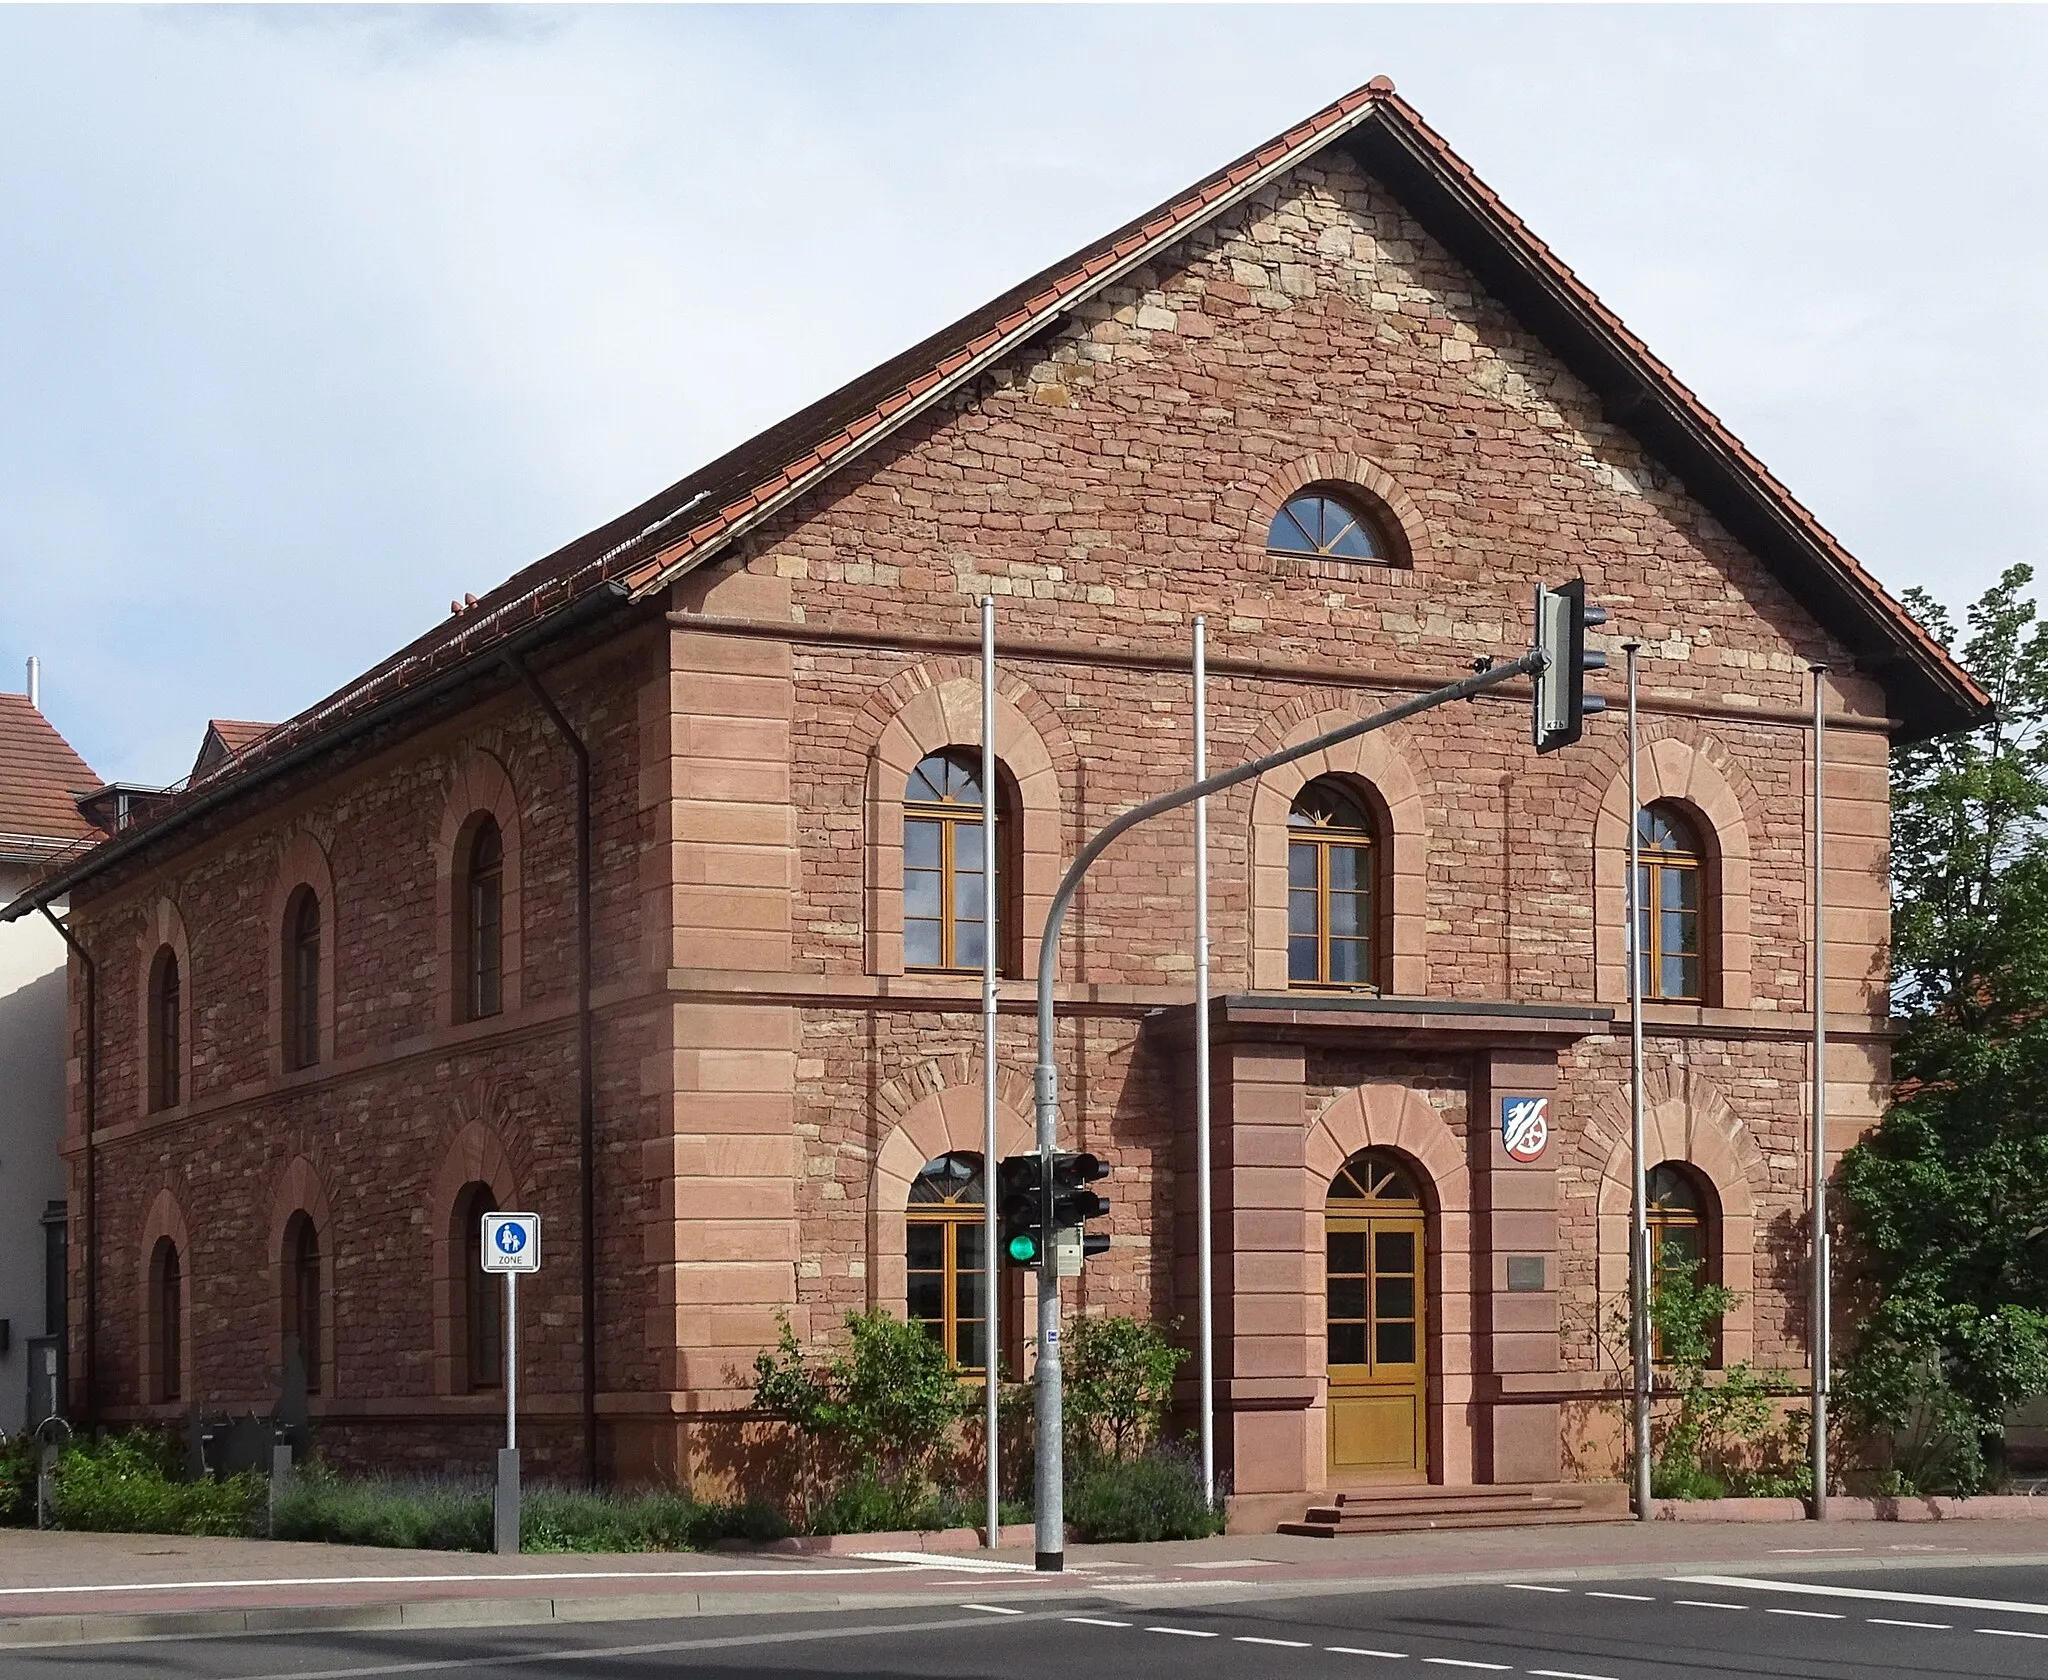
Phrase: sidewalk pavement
[62,1588]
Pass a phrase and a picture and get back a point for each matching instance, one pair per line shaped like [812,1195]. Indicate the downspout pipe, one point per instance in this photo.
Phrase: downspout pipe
[586,1087]
[91,1060]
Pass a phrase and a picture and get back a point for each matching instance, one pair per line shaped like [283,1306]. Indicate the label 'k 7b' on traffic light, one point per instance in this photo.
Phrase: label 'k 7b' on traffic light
[1559,698]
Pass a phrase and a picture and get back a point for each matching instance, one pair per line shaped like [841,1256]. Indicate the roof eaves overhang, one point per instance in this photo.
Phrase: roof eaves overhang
[1930,693]
[184,812]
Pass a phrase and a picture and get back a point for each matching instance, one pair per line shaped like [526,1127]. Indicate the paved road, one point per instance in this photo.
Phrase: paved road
[1950,1622]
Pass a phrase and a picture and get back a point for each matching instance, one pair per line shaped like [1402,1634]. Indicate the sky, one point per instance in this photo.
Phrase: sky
[314,318]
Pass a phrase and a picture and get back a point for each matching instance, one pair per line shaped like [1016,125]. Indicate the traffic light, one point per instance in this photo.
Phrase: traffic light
[1560,698]
[1020,1203]
[1072,1202]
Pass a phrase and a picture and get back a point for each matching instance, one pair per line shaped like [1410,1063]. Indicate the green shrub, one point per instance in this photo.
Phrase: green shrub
[18,1481]
[1119,1378]
[888,1403]
[121,1484]
[1157,1497]
[443,1516]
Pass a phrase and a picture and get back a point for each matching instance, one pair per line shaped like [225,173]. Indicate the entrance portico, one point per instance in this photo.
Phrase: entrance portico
[1305,1086]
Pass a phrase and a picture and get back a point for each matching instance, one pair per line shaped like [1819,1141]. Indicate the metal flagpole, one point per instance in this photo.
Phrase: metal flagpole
[991,1283]
[1641,1369]
[1822,1301]
[1204,1249]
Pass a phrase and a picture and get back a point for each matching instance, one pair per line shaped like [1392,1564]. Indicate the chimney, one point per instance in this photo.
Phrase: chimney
[35,682]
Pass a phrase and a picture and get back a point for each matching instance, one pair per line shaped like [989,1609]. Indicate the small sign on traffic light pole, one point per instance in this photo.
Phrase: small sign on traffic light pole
[511,1245]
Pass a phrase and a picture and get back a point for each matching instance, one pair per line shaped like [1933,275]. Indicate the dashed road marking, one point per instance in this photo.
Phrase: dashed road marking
[1286,1644]
[993,1609]
[2013,1633]
[1185,1633]
[1095,1621]
[1366,1651]
[1567,1674]
[1460,1662]
[1530,1586]
[1630,1598]
[1814,1615]
[1755,1583]
[1707,1604]
[1886,1621]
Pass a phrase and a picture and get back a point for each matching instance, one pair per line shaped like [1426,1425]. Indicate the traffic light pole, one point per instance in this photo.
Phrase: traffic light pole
[1051,1474]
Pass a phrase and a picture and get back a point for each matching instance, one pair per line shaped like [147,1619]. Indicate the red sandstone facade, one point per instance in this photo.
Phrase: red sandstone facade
[767,1078]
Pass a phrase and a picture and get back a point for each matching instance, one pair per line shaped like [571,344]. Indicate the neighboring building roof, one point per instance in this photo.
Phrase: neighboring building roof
[41,777]
[226,739]
[643,550]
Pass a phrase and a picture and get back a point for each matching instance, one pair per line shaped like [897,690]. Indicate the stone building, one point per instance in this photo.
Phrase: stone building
[642,891]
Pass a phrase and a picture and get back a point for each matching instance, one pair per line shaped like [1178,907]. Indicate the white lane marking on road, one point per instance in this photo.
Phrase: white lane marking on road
[1934,1627]
[1365,1651]
[1568,1674]
[1185,1633]
[1759,1583]
[1094,1621]
[1286,1644]
[2013,1633]
[1460,1662]
[993,1609]
[1526,1586]
[932,1560]
[1631,1598]
[1707,1604]
[924,1561]
[1813,1615]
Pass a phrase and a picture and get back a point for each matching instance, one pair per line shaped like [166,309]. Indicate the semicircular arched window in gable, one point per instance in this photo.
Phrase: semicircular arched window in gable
[1317,523]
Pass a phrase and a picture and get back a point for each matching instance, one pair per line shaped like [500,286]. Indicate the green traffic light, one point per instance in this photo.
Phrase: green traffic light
[1024,1248]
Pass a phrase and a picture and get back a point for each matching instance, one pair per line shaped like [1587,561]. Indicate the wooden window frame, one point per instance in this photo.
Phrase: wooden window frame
[483,924]
[1366,518]
[1655,864]
[302,953]
[1322,842]
[949,818]
[951,1217]
[1705,1220]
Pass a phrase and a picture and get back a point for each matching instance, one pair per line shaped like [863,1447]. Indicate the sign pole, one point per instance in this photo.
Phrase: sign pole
[1822,1310]
[1641,1373]
[1204,1237]
[510,1245]
[991,1315]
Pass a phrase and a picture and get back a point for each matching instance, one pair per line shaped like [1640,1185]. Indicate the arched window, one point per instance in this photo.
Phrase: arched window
[1681,1220]
[302,1316]
[942,863]
[1332,897]
[1321,523]
[945,1275]
[167,1316]
[483,926]
[1668,899]
[166,1046]
[481,1294]
[302,980]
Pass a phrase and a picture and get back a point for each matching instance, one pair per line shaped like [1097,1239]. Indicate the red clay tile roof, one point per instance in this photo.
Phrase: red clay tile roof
[644,549]
[40,776]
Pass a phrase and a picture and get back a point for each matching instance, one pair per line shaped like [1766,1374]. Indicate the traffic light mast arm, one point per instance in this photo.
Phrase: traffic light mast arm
[1050,1490]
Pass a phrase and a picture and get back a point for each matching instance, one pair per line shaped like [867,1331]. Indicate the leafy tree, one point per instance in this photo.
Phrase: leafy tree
[890,1400]
[1946,1202]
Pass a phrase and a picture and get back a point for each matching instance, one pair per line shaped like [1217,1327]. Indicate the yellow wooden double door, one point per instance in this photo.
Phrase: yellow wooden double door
[1373,1236]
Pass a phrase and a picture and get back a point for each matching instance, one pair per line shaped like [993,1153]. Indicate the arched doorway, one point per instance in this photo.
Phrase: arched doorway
[1373,1243]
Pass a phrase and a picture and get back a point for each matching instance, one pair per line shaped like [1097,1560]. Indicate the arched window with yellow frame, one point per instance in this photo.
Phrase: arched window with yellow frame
[1681,1220]
[1670,899]
[942,863]
[945,1274]
[1332,890]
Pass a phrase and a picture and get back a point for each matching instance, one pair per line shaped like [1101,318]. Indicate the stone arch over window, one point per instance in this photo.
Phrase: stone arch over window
[1373,769]
[1699,781]
[166,1015]
[943,1122]
[947,713]
[302,872]
[164,1301]
[477,1165]
[1359,481]
[481,793]
[1688,1121]
[300,1201]
[1401,1121]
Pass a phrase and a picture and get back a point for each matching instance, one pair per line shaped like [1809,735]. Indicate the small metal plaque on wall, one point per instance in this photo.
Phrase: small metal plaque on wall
[1526,1274]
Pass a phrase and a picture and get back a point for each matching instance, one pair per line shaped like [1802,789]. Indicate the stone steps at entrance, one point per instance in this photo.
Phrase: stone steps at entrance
[1391,1510]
